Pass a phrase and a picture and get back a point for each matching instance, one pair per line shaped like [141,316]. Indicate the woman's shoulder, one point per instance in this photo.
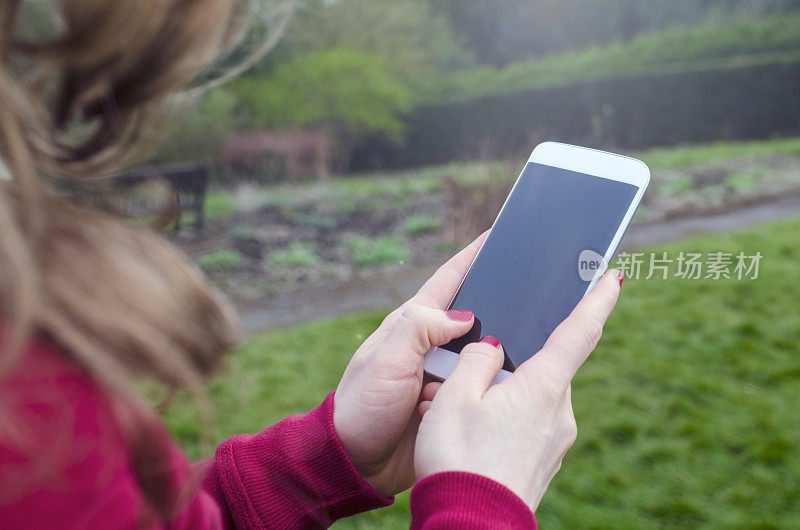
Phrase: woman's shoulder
[60,446]
[44,363]
[44,392]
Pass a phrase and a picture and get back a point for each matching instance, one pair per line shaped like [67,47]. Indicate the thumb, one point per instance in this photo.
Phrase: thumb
[419,327]
[477,366]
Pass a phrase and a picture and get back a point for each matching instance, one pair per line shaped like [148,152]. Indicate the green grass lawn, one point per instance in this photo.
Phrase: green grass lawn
[687,410]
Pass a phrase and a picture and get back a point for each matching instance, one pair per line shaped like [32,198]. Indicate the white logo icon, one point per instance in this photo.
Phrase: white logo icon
[591,265]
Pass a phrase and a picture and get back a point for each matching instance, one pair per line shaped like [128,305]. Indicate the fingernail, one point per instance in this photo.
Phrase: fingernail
[488,339]
[620,277]
[459,315]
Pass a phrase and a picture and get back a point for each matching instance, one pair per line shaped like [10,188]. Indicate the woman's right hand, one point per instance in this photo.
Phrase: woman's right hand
[518,431]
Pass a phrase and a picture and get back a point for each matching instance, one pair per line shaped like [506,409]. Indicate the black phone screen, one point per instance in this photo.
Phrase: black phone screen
[525,280]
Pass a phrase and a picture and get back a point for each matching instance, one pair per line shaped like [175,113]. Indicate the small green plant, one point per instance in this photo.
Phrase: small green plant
[677,186]
[447,247]
[418,225]
[740,182]
[219,204]
[346,204]
[641,212]
[222,260]
[318,221]
[298,254]
[242,232]
[383,250]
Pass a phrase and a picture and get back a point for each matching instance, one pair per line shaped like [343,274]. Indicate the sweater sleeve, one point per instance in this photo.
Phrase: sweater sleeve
[293,474]
[456,499]
[68,464]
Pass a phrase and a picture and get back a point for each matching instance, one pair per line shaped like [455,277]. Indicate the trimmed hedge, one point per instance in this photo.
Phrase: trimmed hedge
[736,80]
[678,49]
[741,102]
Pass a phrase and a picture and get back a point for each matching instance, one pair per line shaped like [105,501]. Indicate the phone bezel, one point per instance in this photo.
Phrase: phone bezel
[440,362]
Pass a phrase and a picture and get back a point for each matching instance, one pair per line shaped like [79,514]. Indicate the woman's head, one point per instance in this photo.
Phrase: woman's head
[80,102]
[88,91]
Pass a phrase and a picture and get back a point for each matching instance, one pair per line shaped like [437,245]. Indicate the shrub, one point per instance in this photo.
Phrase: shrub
[471,207]
[383,250]
[349,91]
[418,225]
[297,255]
[222,260]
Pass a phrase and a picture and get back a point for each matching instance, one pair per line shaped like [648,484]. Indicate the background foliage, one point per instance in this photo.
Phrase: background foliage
[349,91]
[505,31]
[411,82]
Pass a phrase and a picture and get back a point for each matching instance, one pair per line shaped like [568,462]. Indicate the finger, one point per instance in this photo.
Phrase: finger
[477,366]
[440,288]
[423,408]
[575,338]
[437,291]
[419,327]
[429,391]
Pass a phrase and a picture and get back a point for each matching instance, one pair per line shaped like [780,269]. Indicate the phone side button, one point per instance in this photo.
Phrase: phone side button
[440,363]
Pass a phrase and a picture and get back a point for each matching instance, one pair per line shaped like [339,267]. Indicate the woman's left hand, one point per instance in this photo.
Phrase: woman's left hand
[374,406]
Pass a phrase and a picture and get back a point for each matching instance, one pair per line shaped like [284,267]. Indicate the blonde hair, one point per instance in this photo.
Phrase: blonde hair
[118,300]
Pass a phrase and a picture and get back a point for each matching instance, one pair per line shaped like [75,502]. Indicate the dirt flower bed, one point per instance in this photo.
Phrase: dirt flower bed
[282,247]
[287,238]
[720,186]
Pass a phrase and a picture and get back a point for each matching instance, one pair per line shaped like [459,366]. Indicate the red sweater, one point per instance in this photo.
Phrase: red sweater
[64,463]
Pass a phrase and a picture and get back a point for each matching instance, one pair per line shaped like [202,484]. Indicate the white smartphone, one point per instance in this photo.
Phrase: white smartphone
[556,232]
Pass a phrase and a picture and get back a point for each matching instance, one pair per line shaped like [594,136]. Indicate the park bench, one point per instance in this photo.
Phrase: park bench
[158,194]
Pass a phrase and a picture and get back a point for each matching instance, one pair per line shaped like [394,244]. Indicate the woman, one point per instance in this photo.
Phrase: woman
[91,305]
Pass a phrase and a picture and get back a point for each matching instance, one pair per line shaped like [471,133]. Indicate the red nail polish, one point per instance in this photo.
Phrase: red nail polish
[620,277]
[459,315]
[488,339]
